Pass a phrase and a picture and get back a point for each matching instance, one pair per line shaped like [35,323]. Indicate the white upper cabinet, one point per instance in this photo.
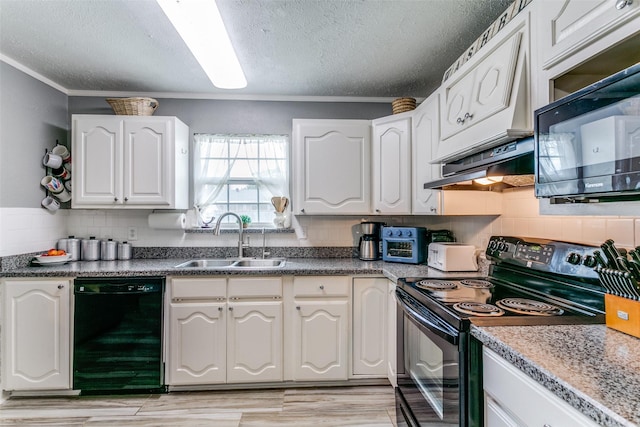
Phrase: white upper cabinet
[331,166]
[486,102]
[425,137]
[130,162]
[392,164]
[568,26]
[582,41]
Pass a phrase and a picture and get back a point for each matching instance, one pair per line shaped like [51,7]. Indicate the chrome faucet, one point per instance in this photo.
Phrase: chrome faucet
[216,230]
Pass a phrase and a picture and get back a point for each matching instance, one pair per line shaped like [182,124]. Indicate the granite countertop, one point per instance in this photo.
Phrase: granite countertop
[293,266]
[594,368]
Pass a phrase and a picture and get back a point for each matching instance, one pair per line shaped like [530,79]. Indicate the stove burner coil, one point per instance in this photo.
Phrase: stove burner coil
[436,285]
[476,283]
[478,309]
[528,306]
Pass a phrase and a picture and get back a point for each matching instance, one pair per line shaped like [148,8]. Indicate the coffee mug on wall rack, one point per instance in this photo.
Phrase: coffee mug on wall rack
[52,161]
[50,203]
[63,152]
[56,188]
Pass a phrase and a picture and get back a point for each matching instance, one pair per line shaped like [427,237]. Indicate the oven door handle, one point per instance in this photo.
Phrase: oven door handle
[412,310]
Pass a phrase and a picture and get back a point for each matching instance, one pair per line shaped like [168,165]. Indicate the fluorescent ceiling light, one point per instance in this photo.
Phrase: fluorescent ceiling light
[200,25]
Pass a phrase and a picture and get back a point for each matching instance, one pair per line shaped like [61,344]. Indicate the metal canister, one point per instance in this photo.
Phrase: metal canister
[74,248]
[108,250]
[124,251]
[90,249]
[70,245]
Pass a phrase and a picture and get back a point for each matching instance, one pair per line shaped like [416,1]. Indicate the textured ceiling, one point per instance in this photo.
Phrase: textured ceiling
[287,48]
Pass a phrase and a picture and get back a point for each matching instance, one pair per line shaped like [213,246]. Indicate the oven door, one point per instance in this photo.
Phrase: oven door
[430,373]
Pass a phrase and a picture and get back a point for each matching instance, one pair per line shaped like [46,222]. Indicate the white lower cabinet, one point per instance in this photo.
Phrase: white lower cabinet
[392,324]
[254,342]
[36,334]
[197,343]
[514,399]
[225,330]
[320,328]
[369,327]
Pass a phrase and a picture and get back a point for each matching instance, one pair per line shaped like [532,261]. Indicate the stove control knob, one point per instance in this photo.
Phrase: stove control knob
[590,261]
[574,258]
[407,233]
[388,233]
[502,246]
[398,233]
[492,245]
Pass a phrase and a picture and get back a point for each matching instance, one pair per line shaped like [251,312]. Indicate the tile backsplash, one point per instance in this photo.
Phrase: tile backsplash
[25,230]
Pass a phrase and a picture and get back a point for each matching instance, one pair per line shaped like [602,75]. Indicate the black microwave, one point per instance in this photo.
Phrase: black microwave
[587,144]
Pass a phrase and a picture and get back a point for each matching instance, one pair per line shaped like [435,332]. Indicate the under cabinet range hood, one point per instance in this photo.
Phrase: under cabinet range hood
[505,166]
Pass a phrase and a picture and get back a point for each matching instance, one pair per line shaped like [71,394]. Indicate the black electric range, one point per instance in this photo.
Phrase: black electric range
[530,282]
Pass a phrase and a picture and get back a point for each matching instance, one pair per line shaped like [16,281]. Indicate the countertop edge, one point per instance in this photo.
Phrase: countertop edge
[574,397]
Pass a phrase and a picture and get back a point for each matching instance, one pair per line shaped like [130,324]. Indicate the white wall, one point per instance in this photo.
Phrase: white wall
[520,217]
[27,230]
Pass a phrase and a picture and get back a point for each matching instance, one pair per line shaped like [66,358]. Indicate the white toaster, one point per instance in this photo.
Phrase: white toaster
[447,256]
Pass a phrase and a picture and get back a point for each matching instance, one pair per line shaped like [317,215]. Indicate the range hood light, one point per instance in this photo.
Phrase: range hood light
[488,180]
[201,27]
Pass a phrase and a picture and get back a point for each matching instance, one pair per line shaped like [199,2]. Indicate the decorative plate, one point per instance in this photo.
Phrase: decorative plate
[52,260]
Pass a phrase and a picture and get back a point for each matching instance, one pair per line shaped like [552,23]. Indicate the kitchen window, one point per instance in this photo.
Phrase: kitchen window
[240,173]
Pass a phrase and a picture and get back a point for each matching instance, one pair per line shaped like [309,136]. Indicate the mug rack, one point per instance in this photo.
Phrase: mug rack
[59,177]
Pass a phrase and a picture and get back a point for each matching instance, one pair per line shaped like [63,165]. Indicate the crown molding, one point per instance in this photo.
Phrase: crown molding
[28,71]
[191,95]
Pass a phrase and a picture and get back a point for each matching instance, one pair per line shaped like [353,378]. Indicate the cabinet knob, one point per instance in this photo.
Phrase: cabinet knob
[302,210]
[621,4]
[126,199]
[115,199]
[433,209]
[219,308]
[60,286]
[378,210]
[298,307]
[230,308]
[321,286]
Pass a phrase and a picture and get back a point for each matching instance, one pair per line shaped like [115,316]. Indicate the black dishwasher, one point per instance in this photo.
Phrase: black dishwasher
[117,344]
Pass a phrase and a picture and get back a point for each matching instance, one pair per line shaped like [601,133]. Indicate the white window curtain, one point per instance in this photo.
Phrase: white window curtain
[215,155]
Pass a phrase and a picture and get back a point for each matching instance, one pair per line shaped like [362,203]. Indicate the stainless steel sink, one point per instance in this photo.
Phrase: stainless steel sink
[229,263]
[206,263]
[259,263]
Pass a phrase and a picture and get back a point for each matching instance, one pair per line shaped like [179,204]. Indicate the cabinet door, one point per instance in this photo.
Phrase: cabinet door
[392,166]
[425,137]
[457,102]
[392,324]
[370,326]
[147,162]
[484,91]
[254,342]
[569,26]
[320,340]
[490,102]
[197,343]
[36,335]
[97,154]
[331,166]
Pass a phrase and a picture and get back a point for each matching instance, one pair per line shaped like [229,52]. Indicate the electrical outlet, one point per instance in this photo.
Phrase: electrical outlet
[132,233]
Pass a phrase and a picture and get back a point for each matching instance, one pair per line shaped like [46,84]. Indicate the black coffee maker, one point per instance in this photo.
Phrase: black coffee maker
[369,246]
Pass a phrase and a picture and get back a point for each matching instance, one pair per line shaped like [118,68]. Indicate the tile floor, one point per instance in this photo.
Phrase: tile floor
[299,407]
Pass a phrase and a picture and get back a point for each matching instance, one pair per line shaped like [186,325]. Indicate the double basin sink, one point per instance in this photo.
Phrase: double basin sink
[234,264]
